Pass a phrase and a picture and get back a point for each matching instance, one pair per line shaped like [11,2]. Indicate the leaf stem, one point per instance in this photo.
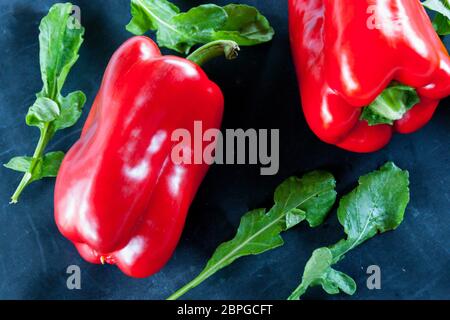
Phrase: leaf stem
[191,285]
[46,134]
[298,292]
[213,50]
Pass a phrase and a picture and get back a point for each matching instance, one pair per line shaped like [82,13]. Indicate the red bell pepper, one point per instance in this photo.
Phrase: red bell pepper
[347,53]
[119,197]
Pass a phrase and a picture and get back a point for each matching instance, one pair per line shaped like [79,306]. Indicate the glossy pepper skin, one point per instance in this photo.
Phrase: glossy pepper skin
[347,52]
[119,197]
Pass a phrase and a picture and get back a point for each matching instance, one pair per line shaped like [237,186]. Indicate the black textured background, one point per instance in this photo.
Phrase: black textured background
[261,92]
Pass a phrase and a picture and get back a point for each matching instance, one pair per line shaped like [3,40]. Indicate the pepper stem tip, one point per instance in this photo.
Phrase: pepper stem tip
[214,49]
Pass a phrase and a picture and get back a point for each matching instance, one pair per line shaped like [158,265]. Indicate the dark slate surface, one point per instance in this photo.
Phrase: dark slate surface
[261,92]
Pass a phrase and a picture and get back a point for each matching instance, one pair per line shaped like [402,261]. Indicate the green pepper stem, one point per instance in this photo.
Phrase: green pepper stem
[391,105]
[46,134]
[214,49]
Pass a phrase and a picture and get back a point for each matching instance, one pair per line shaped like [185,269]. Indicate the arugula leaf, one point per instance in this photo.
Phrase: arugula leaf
[377,205]
[71,110]
[51,163]
[200,25]
[390,105]
[441,24]
[245,25]
[60,39]
[309,198]
[47,166]
[441,6]
[151,15]
[318,271]
[59,45]
[42,111]
[20,164]
[442,19]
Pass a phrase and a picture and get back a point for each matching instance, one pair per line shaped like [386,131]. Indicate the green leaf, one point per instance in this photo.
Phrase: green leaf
[294,217]
[20,164]
[310,198]
[200,25]
[313,196]
[377,205]
[440,6]
[441,24]
[318,271]
[260,231]
[442,20]
[151,15]
[51,163]
[176,31]
[201,21]
[60,38]
[390,105]
[59,45]
[245,25]
[257,233]
[48,165]
[71,109]
[42,111]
